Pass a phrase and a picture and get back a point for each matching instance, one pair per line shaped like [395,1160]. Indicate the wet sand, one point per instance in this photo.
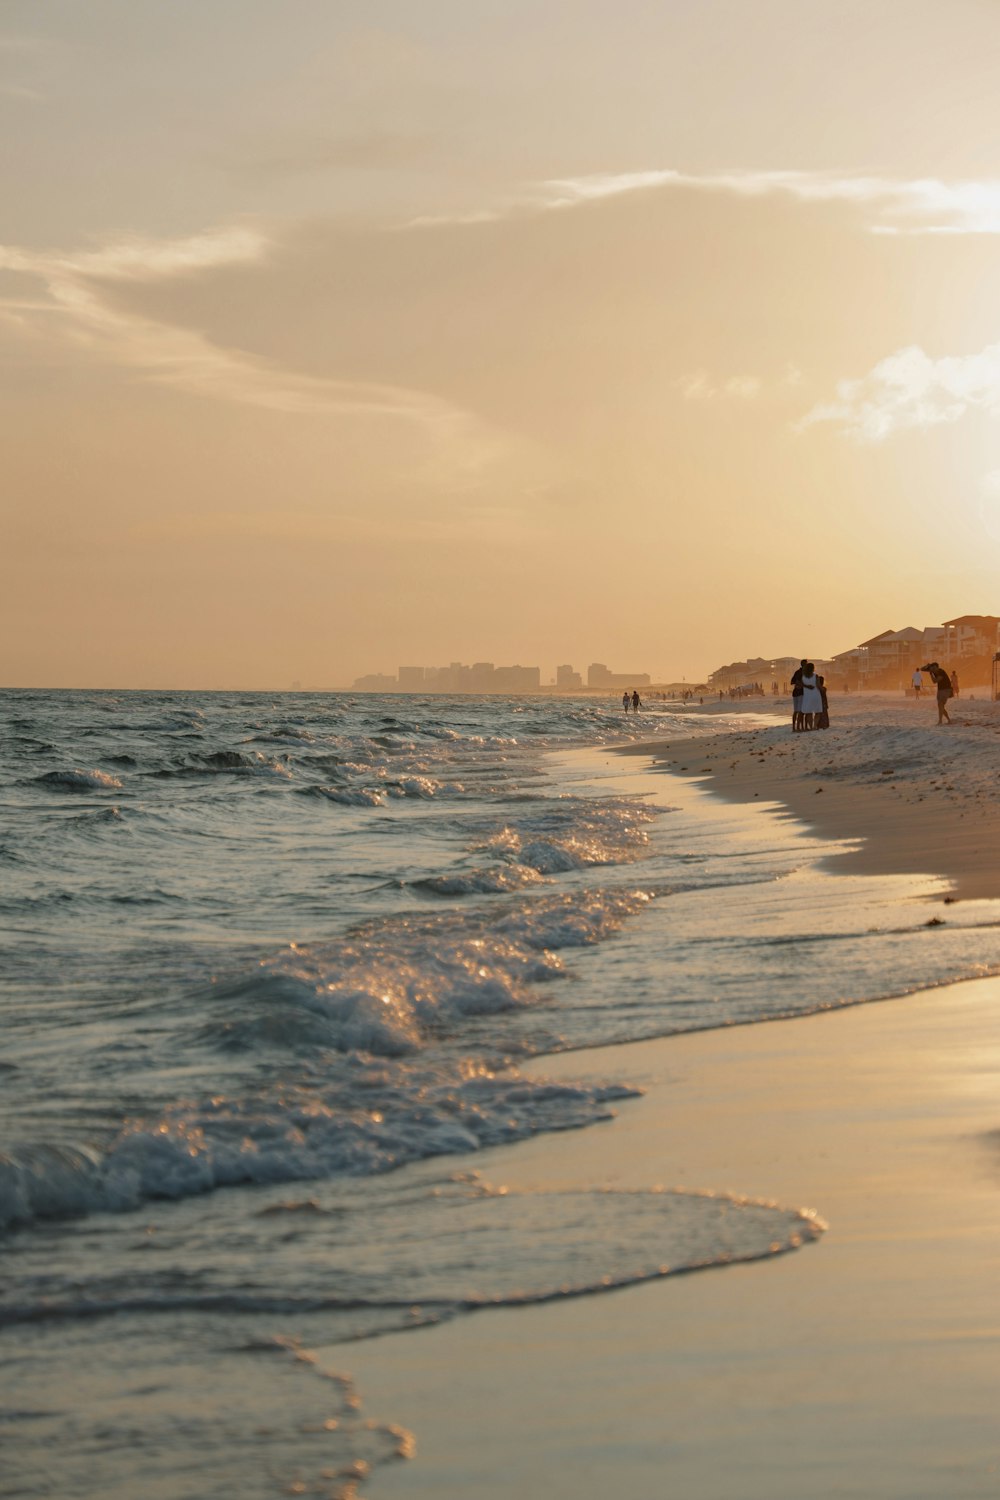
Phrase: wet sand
[864,1365]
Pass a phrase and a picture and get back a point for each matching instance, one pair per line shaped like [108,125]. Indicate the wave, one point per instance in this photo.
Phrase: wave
[346,796]
[492,880]
[79,781]
[382,1026]
[492,1249]
[295,1132]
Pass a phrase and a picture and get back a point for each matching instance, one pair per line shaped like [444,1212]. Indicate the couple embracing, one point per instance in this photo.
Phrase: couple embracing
[810,707]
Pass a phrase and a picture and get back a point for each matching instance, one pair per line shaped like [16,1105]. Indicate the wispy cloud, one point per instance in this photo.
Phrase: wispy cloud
[894,205]
[141,259]
[924,205]
[700,386]
[910,389]
[76,310]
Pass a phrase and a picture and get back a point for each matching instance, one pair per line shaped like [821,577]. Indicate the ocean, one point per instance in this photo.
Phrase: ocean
[271,964]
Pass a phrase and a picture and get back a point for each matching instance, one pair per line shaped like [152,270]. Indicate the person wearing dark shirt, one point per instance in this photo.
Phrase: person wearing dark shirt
[942,682]
[823,717]
[797,721]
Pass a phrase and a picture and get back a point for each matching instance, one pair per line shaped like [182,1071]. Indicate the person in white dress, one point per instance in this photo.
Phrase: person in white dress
[812,698]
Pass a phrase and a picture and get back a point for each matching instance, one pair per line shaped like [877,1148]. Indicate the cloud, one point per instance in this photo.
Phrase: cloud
[910,389]
[699,386]
[139,259]
[76,311]
[924,205]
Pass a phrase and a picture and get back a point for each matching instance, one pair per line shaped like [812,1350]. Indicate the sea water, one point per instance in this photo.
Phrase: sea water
[270,964]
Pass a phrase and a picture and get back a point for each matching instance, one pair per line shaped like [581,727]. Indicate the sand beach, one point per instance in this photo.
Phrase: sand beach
[863,1365]
[922,797]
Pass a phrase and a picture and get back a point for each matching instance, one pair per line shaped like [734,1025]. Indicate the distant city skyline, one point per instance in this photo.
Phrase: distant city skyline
[486,677]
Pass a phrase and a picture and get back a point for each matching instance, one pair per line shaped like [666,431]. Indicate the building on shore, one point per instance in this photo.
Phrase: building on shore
[457,677]
[756,672]
[886,662]
[600,676]
[965,645]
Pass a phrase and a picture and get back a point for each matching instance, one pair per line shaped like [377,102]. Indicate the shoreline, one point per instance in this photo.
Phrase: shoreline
[921,798]
[864,1362]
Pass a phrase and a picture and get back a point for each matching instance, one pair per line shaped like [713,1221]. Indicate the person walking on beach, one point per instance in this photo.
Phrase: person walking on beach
[918,683]
[625,702]
[954,684]
[942,682]
[636,701]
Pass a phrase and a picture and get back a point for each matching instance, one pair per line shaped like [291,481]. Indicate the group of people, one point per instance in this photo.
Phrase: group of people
[945,683]
[810,705]
[747,690]
[632,701]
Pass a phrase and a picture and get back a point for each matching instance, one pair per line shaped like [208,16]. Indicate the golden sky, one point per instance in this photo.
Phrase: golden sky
[335,336]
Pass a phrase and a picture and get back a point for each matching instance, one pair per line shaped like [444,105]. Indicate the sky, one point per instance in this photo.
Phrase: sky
[342,336]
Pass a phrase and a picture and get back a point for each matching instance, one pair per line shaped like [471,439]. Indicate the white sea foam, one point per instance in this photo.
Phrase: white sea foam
[303,1129]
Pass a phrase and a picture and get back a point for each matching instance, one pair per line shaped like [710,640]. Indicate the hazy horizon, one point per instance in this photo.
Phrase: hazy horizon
[653,335]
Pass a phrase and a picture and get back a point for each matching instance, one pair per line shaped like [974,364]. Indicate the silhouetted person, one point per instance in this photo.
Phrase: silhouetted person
[625,700]
[823,717]
[636,702]
[942,682]
[797,694]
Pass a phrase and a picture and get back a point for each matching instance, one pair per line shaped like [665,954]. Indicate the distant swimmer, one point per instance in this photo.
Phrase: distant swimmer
[626,700]
[636,702]
[918,682]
